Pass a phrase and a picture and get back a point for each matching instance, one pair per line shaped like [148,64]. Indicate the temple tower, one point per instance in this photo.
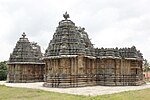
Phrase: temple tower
[67,56]
[24,64]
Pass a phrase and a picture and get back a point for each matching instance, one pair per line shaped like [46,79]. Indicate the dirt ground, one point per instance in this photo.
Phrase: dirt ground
[92,91]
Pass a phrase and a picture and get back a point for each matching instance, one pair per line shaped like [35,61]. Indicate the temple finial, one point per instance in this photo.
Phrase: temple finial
[23,35]
[66,15]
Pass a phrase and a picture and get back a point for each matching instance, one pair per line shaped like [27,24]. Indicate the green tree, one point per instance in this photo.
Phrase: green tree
[146,66]
[3,70]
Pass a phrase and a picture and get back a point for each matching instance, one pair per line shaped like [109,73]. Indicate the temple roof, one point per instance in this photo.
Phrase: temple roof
[25,51]
[70,39]
[119,53]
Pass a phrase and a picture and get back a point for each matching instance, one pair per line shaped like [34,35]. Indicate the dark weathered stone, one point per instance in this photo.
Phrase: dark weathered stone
[24,64]
[26,51]
[69,40]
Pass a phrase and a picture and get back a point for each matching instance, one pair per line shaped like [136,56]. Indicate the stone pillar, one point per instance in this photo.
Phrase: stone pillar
[122,67]
[8,74]
[80,64]
[75,66]
[72,66]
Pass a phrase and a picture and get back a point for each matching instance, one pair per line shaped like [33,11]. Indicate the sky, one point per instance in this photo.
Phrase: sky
[109,23]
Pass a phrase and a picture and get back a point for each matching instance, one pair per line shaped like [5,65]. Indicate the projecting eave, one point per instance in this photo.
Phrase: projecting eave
[91,57]
[38,63]
[134,59]
[110,57]
[61,56]
[66,56]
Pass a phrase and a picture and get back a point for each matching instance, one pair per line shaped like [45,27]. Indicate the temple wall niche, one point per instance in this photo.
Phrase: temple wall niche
[65,65]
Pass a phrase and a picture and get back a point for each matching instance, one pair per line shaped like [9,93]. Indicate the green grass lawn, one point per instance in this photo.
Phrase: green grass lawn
[11,93]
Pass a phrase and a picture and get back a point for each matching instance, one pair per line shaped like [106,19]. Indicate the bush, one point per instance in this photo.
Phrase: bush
[3,70]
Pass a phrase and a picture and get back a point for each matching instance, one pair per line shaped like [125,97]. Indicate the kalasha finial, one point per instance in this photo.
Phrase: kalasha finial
[66,15]
[23,35]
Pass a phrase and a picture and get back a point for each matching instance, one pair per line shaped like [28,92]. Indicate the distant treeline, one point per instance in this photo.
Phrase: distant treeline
[3,70]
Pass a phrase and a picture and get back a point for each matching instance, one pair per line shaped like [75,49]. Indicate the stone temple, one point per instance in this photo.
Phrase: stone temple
[24,64]
[71,61]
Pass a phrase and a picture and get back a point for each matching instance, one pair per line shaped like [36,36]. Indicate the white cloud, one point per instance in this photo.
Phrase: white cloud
[109,23]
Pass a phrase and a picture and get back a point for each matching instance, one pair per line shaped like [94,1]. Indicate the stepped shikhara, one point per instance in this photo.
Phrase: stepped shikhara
[72,61]
[24,64]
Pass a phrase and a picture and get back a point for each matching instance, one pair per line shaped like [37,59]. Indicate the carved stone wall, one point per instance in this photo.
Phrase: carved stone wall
[22,73]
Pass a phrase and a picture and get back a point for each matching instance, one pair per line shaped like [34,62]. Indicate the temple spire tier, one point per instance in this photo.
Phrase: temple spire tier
[69,40]
[25,51]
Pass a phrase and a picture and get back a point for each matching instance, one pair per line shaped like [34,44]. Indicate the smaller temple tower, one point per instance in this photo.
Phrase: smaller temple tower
[24,64]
